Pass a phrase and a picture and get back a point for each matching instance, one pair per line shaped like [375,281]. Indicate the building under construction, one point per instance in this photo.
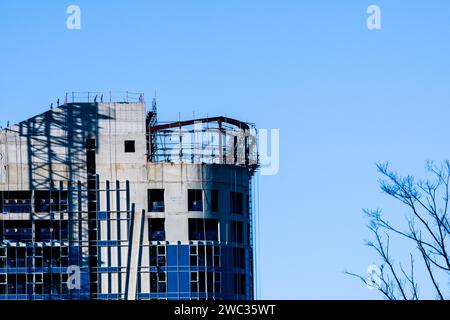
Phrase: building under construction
[100,200]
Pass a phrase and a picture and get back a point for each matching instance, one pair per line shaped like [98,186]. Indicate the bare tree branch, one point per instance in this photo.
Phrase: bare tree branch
[428,229]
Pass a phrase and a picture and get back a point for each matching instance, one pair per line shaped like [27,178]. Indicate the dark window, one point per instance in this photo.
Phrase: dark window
[47,230]
[157,282]
[91,166]
[90,144]
[16,230]
[38,278]
[237,232]
[236,202]
[130,146]
[157,232]
[16,202]
[153,282]
[239,284]
[205,255]
[193,256]
[20,257]
[47,283]
[156,200]
[217,282]
[248,204]
[217,256]
[193,261]
[16,257]
[204,229]
[194,282]
[239,257]
[38,262]
[50,201]
[195,200]
[12,279]
[47,256]
[214,200]
[56,284]
[11,259]
[157,256]
[153,256]
[21,283]
[161,261]
[39,289]
[205,281]
[162,287]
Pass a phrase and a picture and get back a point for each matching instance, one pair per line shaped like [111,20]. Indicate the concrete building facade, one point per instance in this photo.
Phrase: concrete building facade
[99,200]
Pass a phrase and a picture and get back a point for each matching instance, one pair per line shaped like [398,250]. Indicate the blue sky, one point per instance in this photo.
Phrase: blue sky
[342,96]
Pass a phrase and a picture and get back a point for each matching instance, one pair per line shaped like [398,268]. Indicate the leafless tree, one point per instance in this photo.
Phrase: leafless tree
[427,228]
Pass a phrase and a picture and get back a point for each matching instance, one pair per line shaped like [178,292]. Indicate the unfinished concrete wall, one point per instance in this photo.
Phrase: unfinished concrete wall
[50,147]
[177,179]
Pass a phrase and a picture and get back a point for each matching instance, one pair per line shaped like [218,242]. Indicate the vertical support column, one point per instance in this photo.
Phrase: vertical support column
[220,143]
[134,247]
[235,149]
[181,145]
[98,232]
[247,150]
[92,193]
[224,144]
[128,207]
[108,232]
[69,214]
[119,238]
[150,145]
[80,216]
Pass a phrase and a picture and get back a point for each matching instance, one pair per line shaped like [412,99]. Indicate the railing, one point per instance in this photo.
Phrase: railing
[109,96]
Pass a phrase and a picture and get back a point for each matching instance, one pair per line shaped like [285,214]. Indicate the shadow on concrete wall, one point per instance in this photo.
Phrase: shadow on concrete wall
[56,143]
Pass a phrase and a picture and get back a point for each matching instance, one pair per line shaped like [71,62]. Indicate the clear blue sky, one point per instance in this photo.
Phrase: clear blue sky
[342,96]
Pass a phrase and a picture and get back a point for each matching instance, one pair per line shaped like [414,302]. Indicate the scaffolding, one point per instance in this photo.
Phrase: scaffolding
[217,140]
[61,230]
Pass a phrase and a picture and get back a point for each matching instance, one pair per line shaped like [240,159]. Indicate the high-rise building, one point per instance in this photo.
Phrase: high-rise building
[100,200]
